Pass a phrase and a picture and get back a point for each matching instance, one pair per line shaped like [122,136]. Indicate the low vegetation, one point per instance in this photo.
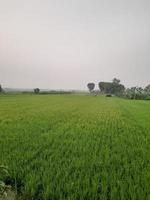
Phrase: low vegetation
[116,88]
[76,147]
[5,189]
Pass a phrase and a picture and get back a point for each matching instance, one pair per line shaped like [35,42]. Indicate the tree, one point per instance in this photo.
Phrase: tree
[136,93]
[147,89]
[105,87]
[91,86]
[36,90]
[1,89]
[113,87]
[116,81]
[139,90]
[117,88]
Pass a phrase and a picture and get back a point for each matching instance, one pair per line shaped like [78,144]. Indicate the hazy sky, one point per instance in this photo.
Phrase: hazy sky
[64,44]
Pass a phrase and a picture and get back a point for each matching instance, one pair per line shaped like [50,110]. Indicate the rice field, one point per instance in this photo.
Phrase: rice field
[76,147]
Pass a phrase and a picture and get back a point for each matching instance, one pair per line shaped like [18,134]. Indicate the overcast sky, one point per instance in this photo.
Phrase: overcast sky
[64,44]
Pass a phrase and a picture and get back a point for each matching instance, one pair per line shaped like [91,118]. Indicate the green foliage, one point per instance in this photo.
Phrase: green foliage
[105,87]
[112,87]
[147,89]
[72,147]
[136,93]
[1,89]
[91,86]
[36,90]
[116,81]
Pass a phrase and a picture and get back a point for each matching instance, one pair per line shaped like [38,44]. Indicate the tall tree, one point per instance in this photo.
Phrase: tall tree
[147,89]
[113,87]
[36,90]
[140,90]
[91,86]
[116,81]
[1,89]
[117,88]
[105,87]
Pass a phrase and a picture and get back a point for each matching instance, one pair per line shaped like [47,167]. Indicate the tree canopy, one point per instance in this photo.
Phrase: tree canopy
[113,87]
[91,86]
[36,90]
[1,89]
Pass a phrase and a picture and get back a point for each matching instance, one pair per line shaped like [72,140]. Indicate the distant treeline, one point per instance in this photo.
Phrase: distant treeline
[56,92]
[116,88]
[47,92]
[35,91]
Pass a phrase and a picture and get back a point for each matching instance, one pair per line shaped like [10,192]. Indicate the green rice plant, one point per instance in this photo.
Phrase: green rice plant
[76,147]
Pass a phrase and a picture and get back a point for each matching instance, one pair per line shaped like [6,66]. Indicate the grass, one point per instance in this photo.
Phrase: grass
[76,147]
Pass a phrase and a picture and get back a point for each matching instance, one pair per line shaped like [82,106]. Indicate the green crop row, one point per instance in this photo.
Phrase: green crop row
[69,147]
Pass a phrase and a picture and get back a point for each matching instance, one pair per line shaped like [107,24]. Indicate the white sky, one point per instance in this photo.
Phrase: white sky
[64,44]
